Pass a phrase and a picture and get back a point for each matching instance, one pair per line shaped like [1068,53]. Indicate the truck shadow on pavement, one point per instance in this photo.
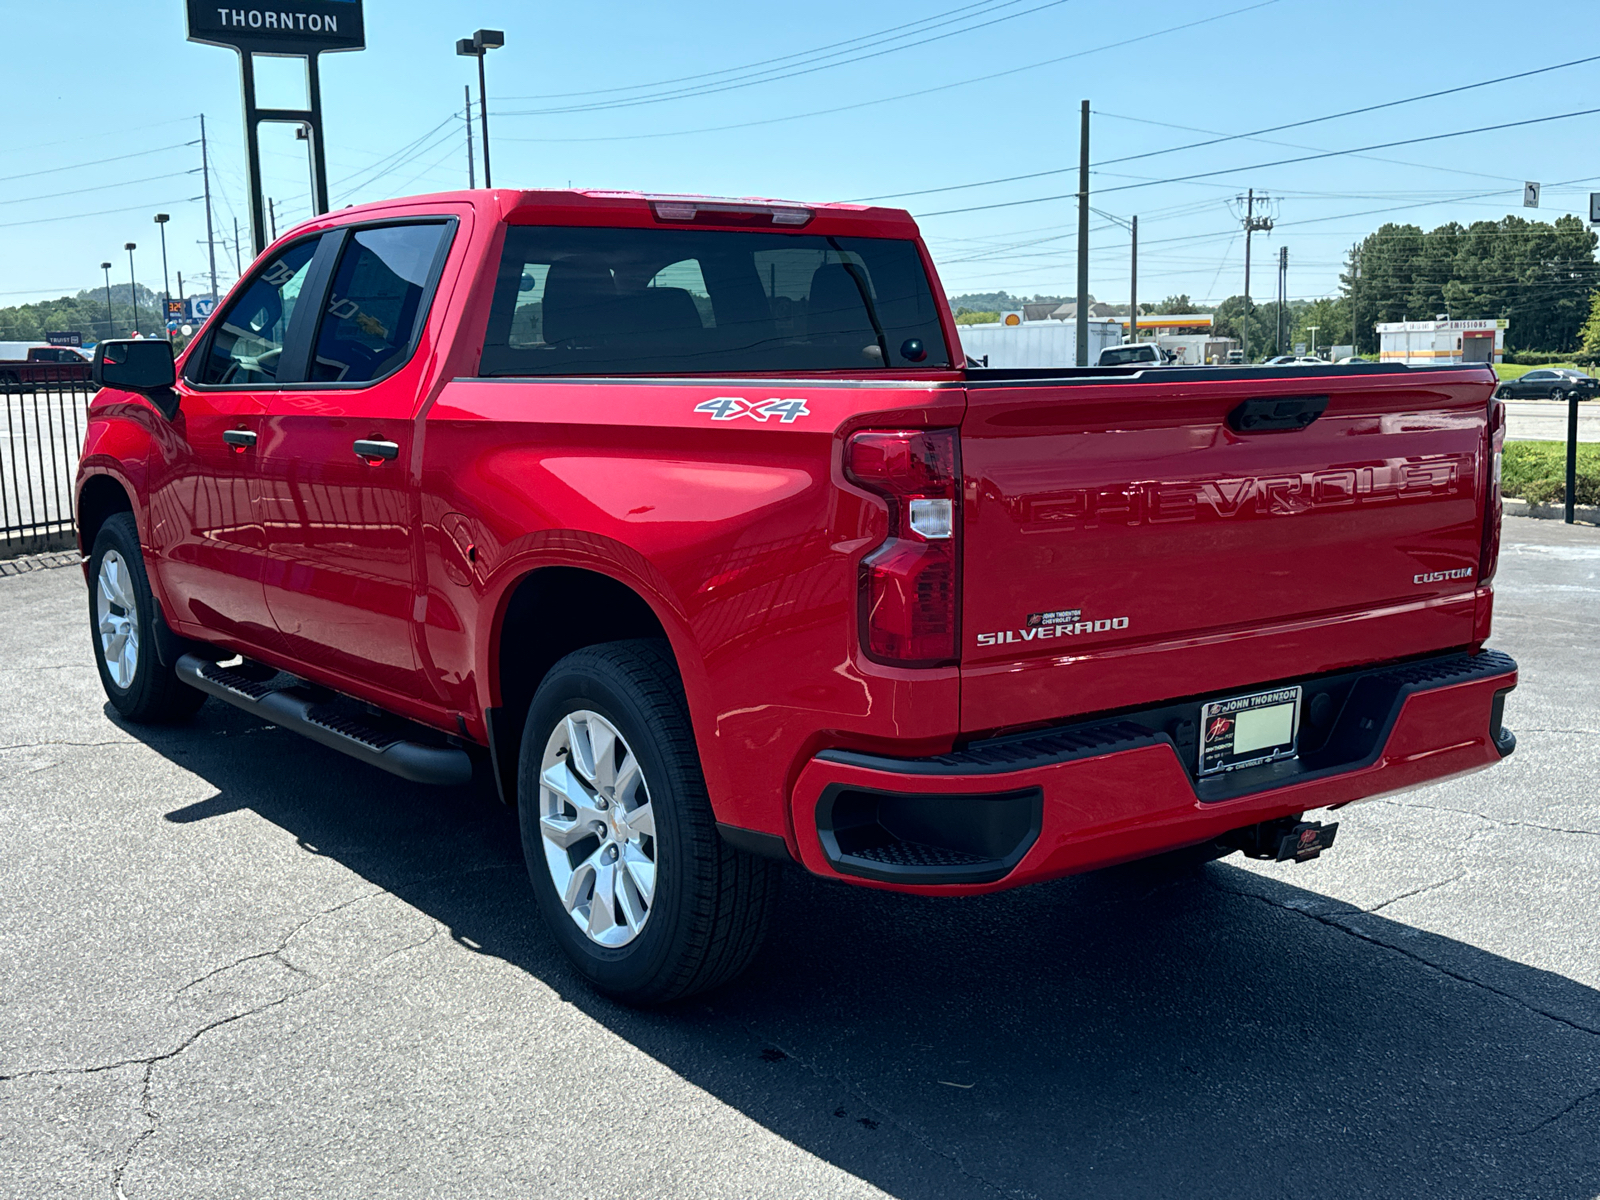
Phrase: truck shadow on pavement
[1127,1033]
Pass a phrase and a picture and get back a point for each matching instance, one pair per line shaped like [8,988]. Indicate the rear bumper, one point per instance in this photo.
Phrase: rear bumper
[1017,810]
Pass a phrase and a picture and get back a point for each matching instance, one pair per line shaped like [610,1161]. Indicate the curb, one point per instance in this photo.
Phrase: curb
[1587,513]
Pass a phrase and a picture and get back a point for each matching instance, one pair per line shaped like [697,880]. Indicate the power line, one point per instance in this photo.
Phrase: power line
[100,187]
[1200,175]
[94,163]
[893,32]
[102,213]
[943,87]
[710,90]
[1234,137]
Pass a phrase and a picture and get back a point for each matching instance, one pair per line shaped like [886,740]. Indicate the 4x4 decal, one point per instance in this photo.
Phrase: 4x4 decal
[730,408]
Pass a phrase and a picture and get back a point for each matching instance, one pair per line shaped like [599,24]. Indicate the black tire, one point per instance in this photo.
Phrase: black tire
[1558,394]
[143,691]
[1502,392]
[711,904]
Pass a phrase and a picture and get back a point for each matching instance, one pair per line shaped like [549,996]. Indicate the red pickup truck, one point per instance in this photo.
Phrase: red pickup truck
[684,521]
[24,364]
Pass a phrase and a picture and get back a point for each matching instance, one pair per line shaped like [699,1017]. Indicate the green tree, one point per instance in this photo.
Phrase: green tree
[1536,274]
[1591,329]
[1173,305]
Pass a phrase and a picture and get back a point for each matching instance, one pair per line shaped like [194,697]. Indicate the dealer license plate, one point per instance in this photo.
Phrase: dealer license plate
[1246,731]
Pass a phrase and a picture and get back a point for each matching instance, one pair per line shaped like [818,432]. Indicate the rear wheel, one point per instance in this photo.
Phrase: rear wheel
[122,624]
[1558,394]
[632,878]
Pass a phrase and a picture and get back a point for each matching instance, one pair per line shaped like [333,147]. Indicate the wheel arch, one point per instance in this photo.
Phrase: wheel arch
[545,613]
[100,496]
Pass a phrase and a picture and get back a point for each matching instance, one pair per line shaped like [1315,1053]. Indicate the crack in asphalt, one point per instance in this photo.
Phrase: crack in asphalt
[1556,1116]
[1499,821]
[1427,887]
[1329,920]
[893,1119]
[38,745]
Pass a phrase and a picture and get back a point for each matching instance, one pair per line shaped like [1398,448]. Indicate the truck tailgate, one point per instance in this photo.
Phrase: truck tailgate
[1125,543]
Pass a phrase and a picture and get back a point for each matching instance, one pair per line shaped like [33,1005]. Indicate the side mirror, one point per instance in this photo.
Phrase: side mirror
[143,365]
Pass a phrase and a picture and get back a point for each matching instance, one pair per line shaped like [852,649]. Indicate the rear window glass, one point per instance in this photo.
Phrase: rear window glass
[1119,356]
[589,301]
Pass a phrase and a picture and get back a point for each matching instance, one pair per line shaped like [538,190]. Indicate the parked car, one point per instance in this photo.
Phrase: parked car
[680,522]
[1132,354]
[1550,383]
[28,364]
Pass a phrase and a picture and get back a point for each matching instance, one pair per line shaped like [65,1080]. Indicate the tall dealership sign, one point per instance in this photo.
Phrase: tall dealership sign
[287,29]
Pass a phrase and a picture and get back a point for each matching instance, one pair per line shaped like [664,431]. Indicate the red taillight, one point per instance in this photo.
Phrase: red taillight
[1489,553]
[909,585]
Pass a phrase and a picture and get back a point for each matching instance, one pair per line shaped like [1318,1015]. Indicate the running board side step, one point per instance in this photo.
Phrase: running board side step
[292,709]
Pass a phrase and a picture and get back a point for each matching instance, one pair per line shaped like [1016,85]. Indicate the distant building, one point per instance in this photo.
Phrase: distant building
[1441,343]
[1186,337]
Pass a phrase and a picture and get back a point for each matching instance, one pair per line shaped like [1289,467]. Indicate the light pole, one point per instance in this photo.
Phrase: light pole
[133,287]
[478,45]
[111,325]
[1312,329]
[166,285]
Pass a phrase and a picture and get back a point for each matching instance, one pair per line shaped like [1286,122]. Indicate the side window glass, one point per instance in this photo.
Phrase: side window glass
[375,304]
[249,335]
[527,317]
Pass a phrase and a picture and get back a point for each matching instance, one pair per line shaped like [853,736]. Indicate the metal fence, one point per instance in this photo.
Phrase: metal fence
[45,418]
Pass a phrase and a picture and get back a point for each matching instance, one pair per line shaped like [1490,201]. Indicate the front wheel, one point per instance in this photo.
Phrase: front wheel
[632,878]
[122,614]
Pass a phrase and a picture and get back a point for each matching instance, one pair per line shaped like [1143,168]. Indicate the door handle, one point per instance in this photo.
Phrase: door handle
[1276,414]
[376,448]
[239,438]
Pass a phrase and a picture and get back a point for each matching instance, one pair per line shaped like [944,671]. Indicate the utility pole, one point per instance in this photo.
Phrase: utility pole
[1083,239]
[238,262]
[1283,295]
[1355,278]
[272,218]
[466,89]
[1133,287]
[1252,224]
[205,174]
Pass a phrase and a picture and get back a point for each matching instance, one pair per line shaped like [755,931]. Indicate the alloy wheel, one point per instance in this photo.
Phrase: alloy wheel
[117,619]
[598,828]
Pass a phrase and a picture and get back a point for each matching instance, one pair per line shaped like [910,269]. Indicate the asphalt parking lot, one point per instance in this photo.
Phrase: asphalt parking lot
[1546,421]
[236,964]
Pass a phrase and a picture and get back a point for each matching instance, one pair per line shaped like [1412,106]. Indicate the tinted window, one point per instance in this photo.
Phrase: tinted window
[1118,356]
[375,303]
[249,335]
[589,301]
[1537,375]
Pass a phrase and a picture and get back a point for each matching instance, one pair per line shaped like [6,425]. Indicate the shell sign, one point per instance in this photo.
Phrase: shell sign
[1011,318]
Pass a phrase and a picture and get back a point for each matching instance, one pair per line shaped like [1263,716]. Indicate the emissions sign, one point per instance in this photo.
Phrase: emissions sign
[285,27]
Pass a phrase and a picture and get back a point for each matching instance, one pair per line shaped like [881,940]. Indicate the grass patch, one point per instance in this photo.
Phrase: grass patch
[1517,370]
[1537,472]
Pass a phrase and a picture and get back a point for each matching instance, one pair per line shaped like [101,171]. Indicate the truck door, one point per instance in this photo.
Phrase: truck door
[339,501]
[204,524]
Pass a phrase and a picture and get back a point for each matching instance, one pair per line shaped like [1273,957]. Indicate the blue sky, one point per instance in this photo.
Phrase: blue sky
[119,82]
